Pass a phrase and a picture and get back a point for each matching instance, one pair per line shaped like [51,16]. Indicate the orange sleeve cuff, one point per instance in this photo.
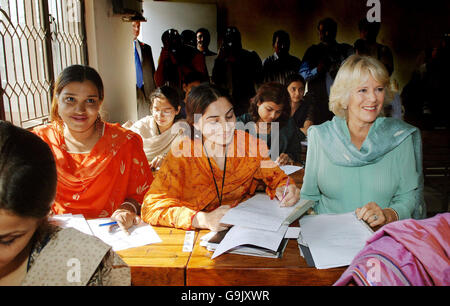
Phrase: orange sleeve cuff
[192,219]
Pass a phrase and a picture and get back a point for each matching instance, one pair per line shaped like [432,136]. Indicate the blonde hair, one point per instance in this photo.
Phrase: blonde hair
[354,71]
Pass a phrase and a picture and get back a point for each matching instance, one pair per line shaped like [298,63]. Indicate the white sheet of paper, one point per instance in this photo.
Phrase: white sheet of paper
[300,239]
[188,244]
[334,240]
[292,233]
[239,235]
[258,212]
[208,236]
[288,169]
[141,234]
[77,222]
[300,250]
[205,238]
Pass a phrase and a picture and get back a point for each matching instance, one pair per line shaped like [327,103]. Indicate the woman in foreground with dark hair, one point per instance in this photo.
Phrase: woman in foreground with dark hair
[33,252]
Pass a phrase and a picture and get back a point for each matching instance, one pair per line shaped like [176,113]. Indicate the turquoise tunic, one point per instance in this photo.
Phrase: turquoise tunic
[391,181]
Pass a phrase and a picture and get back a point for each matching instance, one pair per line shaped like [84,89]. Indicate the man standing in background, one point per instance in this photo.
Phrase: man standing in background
[145,71]
[237,70]
[319,67]
[280,65]
[203,40]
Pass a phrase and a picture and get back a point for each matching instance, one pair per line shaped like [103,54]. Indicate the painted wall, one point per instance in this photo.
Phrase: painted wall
[162,16]
[110,51]
[408,27]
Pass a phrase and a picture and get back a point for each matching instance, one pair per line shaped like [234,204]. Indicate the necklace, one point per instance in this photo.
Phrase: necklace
[219,195]
[159,131]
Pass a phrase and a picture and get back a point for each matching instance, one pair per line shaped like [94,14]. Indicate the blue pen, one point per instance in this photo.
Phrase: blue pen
[106,224]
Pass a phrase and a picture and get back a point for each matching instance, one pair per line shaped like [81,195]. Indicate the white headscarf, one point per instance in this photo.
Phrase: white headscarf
[155,144]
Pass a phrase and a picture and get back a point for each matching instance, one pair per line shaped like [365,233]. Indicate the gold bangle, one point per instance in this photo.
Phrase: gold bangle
[395,213]
[131,204]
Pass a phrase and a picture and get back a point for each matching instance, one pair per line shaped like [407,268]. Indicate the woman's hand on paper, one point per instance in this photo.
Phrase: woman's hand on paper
[372,214]
[291,196]
[125,219]
[283,160]
[211,220]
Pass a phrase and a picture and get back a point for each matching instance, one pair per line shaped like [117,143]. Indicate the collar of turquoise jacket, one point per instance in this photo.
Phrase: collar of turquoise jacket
[384,135]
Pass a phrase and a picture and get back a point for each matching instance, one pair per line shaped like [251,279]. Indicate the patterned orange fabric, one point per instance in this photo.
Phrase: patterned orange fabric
[184,185]
[95,184]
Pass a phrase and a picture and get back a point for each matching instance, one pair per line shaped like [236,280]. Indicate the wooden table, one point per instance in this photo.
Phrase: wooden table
[166,264]
[298,177]
[159,264]
[241,270]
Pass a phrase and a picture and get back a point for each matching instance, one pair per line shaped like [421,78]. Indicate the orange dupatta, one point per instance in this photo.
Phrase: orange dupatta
[184,185]
[95,184]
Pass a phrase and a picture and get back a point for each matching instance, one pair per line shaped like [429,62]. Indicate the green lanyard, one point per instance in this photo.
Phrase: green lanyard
[219,196]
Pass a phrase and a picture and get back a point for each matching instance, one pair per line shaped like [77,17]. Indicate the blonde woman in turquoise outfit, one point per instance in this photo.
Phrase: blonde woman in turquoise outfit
[361,161]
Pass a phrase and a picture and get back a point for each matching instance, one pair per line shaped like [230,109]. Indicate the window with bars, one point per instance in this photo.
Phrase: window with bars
[38,39]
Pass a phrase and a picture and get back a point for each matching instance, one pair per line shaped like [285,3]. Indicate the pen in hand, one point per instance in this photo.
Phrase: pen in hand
[285,189]
[113,225]
[106,224]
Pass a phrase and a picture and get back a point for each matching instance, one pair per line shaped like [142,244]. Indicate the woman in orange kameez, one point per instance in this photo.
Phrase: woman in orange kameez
[102,168]
[203,176]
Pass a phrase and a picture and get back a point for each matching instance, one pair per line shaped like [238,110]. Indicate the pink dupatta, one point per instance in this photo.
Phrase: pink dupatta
[408,252]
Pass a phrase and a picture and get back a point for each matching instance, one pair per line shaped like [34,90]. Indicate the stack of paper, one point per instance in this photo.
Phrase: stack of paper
[292,233]
[260,212]
[334,240]
[259,228]
[212,240]
[238,237]
[141,234]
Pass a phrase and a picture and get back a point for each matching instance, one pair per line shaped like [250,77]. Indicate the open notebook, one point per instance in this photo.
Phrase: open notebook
[141,234]
[259,227]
